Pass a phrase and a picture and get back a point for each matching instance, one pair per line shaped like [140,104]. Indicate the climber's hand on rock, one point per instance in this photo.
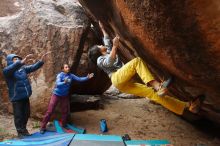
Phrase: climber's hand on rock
[90,75]
[116,41]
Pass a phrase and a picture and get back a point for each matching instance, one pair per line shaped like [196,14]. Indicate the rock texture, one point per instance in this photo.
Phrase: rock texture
[178,38]
[10,7]
[38,26]
[84,102]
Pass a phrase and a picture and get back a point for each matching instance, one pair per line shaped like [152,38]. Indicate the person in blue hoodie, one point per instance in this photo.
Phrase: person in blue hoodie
[61,94]
[16,75]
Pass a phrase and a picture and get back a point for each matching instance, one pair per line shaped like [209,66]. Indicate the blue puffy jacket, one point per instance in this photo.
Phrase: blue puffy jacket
[17,80]
[62,88]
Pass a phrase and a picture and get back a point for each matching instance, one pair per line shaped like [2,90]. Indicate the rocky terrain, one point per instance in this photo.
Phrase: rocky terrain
[175,38]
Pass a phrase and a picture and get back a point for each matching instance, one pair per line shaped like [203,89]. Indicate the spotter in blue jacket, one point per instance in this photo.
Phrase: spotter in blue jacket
[16,75]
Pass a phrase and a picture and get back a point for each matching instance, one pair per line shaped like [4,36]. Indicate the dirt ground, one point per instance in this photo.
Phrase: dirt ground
[137,117]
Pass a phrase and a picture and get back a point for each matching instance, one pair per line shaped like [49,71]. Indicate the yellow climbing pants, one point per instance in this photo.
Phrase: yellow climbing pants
[122,79]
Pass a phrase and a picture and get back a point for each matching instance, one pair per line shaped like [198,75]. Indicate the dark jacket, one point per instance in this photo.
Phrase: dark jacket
[62,88]
[17,80]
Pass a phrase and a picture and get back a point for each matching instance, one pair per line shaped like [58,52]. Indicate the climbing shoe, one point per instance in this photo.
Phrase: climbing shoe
[195,104]
[163,87]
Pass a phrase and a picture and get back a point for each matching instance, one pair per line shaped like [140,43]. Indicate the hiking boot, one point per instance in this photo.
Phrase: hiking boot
[20,135]
[42,131]
[26,133]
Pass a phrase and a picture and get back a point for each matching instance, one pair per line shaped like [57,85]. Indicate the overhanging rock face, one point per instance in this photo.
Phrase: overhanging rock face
[178,38]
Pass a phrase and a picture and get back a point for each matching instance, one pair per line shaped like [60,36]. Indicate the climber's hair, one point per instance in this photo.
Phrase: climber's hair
[62,66]
[94,53]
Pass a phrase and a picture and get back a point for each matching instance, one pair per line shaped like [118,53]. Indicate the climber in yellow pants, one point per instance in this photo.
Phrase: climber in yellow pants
[121,79]
[106,58]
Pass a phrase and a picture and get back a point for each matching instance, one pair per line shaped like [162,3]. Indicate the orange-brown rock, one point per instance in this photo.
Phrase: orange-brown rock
[178,38]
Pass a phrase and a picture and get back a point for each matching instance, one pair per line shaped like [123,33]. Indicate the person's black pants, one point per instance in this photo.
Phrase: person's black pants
[21,110]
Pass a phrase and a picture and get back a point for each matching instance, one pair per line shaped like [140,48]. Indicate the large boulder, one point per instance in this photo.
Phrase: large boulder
[38,26]
[178,38]
[11,7]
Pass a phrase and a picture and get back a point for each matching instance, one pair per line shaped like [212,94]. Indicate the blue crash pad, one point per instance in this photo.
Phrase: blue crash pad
[69,139]
[71,127]
[147,142]
[37,139]
[59,137]
[97,140]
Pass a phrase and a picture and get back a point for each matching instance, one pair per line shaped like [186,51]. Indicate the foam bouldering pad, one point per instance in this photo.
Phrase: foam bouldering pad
[97,140]
[37,139]
[69,128]
[147,143]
